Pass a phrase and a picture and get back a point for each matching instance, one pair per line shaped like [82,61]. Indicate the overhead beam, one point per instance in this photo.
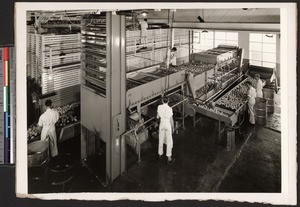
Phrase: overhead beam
[230,26]
[264,27]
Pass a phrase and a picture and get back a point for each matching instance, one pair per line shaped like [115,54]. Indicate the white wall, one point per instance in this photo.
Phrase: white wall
[244,42]
[278,58]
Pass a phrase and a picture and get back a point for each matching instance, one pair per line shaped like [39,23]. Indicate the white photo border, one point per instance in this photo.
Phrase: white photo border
[288,48]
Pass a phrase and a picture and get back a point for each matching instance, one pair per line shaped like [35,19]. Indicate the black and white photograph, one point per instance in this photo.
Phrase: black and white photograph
[154,99]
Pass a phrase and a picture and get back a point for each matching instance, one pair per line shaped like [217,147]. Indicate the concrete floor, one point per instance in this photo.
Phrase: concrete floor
[258,169]
[202,164]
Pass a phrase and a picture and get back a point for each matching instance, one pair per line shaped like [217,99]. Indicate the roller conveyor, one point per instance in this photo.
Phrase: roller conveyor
[224,110]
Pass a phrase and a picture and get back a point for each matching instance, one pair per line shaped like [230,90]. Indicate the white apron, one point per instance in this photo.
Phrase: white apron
[165,137]
[49,133]
[251,103]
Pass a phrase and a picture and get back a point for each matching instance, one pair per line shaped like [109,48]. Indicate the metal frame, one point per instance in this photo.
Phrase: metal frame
[105,114]
[184,99]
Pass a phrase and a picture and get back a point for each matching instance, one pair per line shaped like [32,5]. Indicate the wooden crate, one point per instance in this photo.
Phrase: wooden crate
[69,45]
[65,60]
[63,96]
[60,79]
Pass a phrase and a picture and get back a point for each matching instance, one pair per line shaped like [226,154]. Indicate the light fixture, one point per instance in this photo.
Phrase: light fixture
[249,9]
[200,19]
[144,13]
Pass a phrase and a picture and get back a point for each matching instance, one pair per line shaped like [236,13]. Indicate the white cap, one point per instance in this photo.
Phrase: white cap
[134,116]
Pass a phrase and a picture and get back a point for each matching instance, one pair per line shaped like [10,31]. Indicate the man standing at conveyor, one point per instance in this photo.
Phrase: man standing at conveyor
[166,127]
[47,125]
[144,33]
[259,86]
[251,101]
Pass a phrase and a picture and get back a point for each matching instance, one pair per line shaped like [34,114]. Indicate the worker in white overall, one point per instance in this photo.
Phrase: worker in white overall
[259,86]
[47,123]
[166,127]
[144,33]
[251,101]
[171,57]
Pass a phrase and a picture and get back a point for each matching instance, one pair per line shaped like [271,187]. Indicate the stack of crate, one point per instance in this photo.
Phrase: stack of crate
[158,41]
[154,54]
[30,30]
[94,52]
[31,56]
[157,38]
[54,61]
[63,96]
[146,59]
[57,61]
[181,37]
[181,42]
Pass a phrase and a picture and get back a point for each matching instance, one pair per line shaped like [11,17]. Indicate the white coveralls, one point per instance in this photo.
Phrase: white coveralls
[259,86]
[47,121]
[165,113]
[144,33]
[170,57]
[251,103]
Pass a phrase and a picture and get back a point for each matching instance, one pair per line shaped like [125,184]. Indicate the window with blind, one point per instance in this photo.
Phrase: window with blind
[262,49]
[226,38]
[203,40]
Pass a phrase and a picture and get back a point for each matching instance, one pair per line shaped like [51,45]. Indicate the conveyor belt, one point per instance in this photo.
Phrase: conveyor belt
[222,112]
[145,85]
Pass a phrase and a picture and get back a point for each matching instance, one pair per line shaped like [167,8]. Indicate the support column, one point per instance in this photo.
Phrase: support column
[116,90]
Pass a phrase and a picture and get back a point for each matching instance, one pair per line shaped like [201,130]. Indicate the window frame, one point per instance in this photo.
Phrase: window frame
[262,52]
[226,38]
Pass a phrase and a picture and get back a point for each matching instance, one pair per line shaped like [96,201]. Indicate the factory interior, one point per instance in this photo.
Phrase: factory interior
[106,73]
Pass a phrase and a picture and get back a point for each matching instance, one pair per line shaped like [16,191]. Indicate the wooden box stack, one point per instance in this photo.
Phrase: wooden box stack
[156,49]
[54,61]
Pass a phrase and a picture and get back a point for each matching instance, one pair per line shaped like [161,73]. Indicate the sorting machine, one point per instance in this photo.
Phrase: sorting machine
[110,95]
[226,108]
[210,77]
[144,91]
[218,90]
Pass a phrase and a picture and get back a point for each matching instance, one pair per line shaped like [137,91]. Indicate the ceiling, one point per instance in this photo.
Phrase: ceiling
[260,15]
[251,15]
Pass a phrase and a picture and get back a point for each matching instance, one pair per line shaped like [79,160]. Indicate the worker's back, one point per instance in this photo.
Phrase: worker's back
[165,113]
[144,25]
[49,118]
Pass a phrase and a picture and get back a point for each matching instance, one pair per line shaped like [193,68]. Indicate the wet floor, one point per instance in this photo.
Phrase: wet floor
[258,169]
[193,151]
[202,164]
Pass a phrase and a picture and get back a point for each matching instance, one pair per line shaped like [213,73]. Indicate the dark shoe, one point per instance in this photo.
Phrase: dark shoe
[171,161]
[160,157]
